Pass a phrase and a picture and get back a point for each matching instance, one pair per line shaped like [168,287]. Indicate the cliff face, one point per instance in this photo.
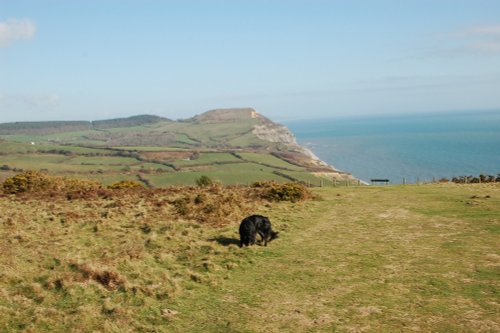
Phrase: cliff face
[262,127]
[274,133]
[279,137]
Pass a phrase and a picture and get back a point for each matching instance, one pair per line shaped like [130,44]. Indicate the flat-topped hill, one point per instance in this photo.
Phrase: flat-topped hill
[229,115]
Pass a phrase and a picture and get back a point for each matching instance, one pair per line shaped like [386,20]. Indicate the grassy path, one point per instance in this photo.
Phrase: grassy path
[384,259]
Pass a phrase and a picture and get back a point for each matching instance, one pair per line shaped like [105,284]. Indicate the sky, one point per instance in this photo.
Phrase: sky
[90,59]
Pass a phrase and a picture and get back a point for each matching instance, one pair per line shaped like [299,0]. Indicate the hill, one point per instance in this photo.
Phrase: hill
[43,127]
[128,122]
[235,145]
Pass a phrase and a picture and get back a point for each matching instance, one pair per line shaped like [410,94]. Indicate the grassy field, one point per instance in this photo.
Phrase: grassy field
[270,160]
[117,164]
[229,174]
[184,134]
[103,160]
[357,259]
[23,148]
[207,158]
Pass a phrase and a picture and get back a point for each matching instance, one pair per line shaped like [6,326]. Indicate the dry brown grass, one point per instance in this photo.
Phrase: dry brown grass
[80,259]
[415,258]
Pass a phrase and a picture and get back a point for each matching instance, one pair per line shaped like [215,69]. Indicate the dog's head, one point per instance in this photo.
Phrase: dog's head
[274,235]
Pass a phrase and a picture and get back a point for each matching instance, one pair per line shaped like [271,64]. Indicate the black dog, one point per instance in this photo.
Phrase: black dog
[254,224]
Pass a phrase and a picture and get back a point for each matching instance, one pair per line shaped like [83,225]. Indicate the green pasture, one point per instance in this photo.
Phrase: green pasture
[269,160]
[131,129]
[54,163]
[246,140]
[71,136]
[24,148]
[145,148]
[152,166]
[214,133]
[33,161]
[16,147]
[228,174]
[23,138]
[103,160]
[185,139]
[207,159]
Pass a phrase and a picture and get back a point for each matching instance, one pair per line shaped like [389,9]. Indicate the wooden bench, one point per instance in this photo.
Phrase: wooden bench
[377,180]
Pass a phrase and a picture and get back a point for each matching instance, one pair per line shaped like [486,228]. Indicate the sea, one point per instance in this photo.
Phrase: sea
[406,148]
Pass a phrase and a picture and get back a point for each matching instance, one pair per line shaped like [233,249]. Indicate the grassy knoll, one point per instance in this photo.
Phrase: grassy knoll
[360,259]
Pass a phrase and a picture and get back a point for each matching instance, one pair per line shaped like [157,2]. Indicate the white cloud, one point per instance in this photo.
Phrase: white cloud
[14,29]
[478,39]
[491,47]
[484,30]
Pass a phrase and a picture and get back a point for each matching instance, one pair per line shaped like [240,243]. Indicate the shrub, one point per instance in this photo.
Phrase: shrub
[26,182]
[472,179]
[195,156]
[124,184]
[283,192]
[181,205]
[33,181]
[204,181]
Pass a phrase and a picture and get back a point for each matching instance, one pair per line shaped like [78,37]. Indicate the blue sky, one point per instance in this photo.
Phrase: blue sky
[72,60]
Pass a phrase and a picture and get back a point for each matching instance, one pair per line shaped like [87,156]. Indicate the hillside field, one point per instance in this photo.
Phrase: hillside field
[154,166]
[352,259]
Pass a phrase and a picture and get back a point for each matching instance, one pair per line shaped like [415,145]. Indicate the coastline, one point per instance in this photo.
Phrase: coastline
[406,149]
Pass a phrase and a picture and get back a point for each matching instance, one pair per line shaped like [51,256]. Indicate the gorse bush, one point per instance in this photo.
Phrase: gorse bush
[283,192]
[37,182]
[26,182]
[181,205]
[482,178]
[215,205]
[204,181]
[124,184]
[212,204]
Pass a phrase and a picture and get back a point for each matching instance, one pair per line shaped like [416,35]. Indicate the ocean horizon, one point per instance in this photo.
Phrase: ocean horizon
[413,147]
